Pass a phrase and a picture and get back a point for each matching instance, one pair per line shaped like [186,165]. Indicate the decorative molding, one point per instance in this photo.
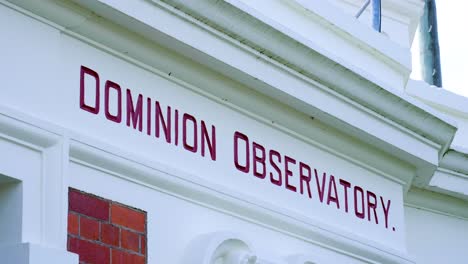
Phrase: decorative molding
[456,161]
[450,182]
[52,191]
[437,203]
[388,102]
[220,248]
[450,104]
[29,253]
[354,106]
[230,248]
[318,102]
[306,126]
[451,176]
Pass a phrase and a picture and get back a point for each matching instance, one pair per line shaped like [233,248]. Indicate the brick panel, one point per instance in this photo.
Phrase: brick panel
[110,235]
[143,244]
[89,228]
[102,231]
[122,257]
[130,240]
[73,226]
[89,252]
[88,205]
[128,217]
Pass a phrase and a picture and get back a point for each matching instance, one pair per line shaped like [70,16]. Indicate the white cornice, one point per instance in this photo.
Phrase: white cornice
[437,203]
[439,98]
[451,177]
[306,126]
[455,161]
[268,60]
[287,48]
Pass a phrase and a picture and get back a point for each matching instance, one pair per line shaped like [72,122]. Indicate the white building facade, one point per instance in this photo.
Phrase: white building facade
[234,131]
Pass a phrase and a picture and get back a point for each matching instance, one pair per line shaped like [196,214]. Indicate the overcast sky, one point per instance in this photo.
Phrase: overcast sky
[453,40]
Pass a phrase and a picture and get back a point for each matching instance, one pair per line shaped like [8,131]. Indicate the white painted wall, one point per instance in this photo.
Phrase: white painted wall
[435,237]
[174,223]
[53,93]
[43,82]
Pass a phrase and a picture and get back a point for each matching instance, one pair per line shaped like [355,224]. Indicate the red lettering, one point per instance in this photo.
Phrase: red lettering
[211,141]
[386,210]
[334,197]
[148,116]
[345,185]
[279,181]
[164,122]
[239,136]
[259,160]
[320,187]
[118,117]
[187,146]
[288,172]
[134,113]
[356,210]
[92,109]
[176,127]
[371,205]
[161,121]
[305,178]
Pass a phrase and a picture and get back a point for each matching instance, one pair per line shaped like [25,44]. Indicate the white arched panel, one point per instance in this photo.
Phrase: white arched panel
[220,248]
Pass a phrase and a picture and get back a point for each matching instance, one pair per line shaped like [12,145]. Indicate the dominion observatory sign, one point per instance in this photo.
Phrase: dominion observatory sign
[257,163]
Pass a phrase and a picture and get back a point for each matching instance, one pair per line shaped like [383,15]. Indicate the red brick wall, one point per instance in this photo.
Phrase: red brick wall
[101,231]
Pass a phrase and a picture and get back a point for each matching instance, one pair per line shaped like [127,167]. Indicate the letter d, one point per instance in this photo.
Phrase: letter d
[92,109]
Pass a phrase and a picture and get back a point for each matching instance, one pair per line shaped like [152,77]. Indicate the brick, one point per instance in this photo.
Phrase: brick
[107,232]
[143,245]
[73,224]
[89,228]
[128,217]
[130,240]
[121,257]
[110,234]
[89,252]
[88,205]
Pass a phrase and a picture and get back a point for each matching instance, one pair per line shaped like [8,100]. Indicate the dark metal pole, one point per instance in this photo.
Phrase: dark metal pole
[429,45]
[377,15]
